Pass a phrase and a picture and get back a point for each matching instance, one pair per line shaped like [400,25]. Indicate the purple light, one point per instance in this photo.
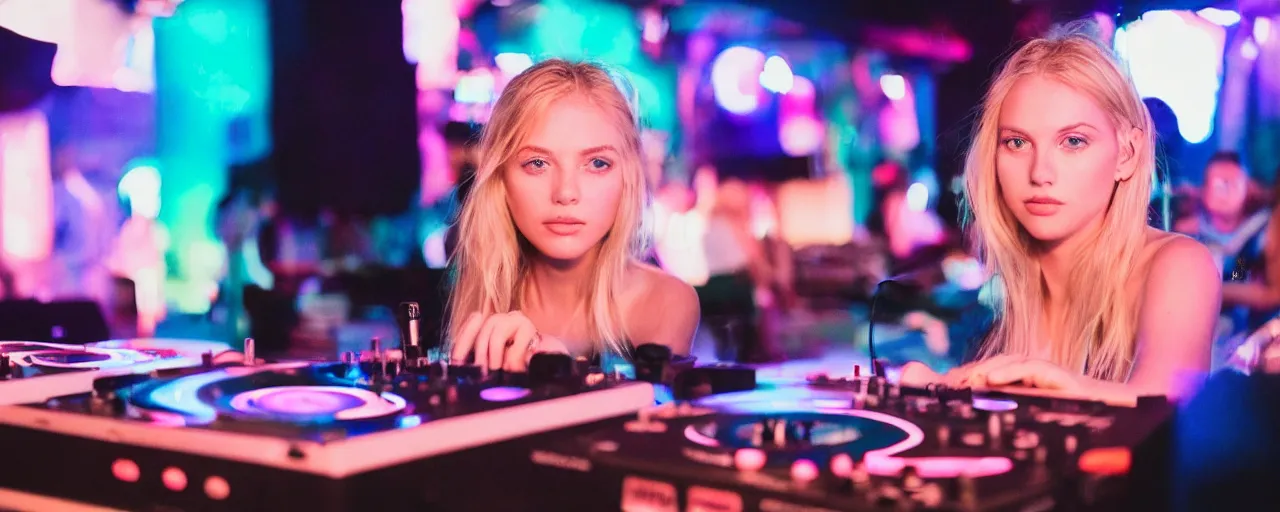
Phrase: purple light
[503,394]
[994,405]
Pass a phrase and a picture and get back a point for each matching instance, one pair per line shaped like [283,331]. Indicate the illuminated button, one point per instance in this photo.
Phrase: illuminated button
[842,465]
[126,470]
[217,488]
[702,499]
[749,459]
[1106,461]
[804,471]
[174,479]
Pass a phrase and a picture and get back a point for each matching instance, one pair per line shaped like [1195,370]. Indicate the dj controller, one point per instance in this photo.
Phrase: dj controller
[859,444]
[393,430]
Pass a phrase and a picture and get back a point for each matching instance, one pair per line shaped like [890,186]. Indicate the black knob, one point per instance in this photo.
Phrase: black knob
[651,362]
[546,368]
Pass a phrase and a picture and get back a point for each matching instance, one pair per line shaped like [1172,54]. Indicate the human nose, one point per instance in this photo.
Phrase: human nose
[1043,171]
[566,190]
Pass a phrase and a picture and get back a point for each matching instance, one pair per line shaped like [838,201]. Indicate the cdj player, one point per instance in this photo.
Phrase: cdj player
[360,434]
[32,372]
[858,444]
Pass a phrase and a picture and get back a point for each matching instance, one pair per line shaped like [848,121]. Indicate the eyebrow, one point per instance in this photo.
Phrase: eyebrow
[591,150]
[1060,130]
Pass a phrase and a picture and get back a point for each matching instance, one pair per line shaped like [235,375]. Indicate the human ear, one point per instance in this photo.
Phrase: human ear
[1131,142]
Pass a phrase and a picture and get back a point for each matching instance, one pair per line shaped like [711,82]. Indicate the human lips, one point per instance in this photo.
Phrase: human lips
[564,226]
[1042,206]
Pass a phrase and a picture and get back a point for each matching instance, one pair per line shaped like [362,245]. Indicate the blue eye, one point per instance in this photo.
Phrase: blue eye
[599,164]
[1014,143]
[1074,142]
[535,164]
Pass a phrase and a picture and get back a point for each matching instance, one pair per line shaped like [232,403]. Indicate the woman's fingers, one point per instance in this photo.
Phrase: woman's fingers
[917,374]
[522,348]
[1039,374]
[484,339]
[500,340]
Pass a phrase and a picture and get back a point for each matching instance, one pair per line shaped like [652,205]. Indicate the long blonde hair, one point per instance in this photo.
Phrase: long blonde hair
[490,268]
[1098,335]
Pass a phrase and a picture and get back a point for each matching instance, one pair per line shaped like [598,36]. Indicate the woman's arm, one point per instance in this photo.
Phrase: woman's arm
[1179,311]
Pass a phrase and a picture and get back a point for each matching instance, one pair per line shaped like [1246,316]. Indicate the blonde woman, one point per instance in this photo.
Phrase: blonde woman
[1088,298]
[551,235]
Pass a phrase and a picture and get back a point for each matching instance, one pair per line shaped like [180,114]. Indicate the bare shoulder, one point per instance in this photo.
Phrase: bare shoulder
[659,307]
[1174,256]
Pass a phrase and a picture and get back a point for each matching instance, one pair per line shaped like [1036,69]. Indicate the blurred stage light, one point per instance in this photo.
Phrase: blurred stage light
[894,86]
[777,76]
[735,79]
[917,197]
[140,186]
[513,64]
[1261,30]
[1177,57]
[800,132]
[1249,50]
[1221,17]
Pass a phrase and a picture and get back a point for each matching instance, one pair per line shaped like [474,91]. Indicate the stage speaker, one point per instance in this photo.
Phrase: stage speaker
[344,108]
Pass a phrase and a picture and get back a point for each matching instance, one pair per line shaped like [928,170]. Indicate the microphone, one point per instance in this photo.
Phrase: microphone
[906,278]
[409,316]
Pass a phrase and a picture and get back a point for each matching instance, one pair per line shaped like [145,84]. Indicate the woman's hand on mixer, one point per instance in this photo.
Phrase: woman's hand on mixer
[502,341]
[1014,370]
[917,374]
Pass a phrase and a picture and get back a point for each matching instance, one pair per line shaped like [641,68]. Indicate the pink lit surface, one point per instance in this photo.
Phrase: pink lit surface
[126,470]
[749,459]
[174,479]
[842,465]
[939,467]
[503,394]
[804,470]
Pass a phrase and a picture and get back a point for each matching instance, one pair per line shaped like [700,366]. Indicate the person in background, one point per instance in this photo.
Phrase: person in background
[241,216]
[1234,235]
[905,225]
[1089,299]
[1224,222]
[1258,293]
[739,273]
[678,226]
[139,250]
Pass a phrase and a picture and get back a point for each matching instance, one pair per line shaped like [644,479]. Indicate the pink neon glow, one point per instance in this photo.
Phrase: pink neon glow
[692,434]
[749,459]
[126,470]
[174,479]
[842,465]
[804,470]
[503,394]
[939,467]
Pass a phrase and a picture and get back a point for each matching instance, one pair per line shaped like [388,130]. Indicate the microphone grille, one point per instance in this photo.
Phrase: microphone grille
[411,310]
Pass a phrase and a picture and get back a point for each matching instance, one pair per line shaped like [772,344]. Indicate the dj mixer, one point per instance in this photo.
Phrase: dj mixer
[860,444]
